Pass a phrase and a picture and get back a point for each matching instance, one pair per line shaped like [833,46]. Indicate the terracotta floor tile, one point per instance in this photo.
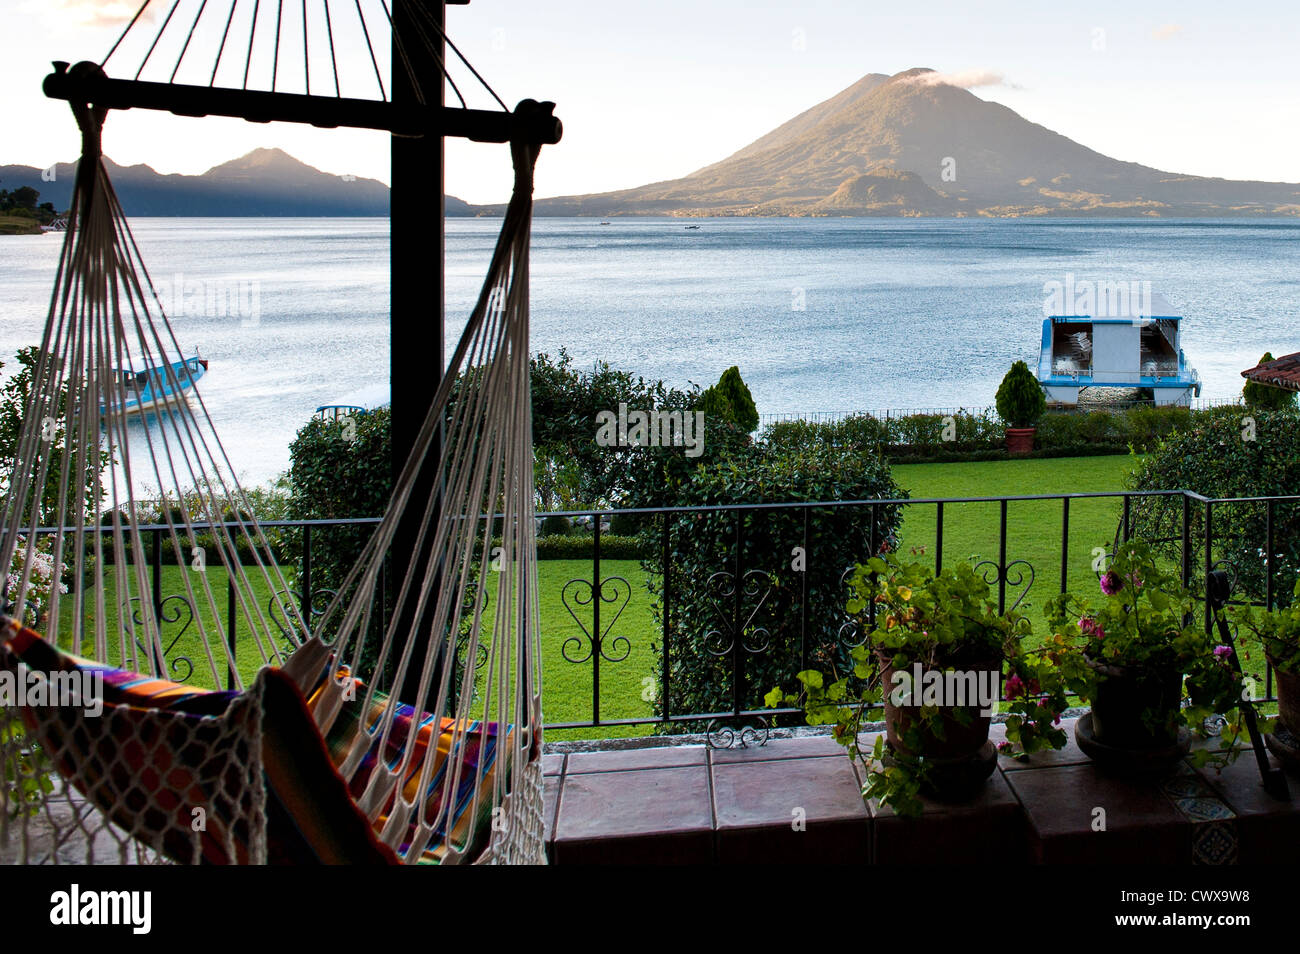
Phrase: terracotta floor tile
[814,746]
[794,810]
[1070,754]
[1142,824]
[636,816]
[1268,830]
[988,829]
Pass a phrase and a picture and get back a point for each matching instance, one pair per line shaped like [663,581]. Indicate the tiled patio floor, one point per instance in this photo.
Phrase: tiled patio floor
[796,800]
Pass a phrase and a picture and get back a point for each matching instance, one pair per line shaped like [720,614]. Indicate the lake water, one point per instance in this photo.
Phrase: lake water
[819,314]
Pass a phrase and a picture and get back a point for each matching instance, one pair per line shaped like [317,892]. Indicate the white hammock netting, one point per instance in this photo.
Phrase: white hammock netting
[187,772]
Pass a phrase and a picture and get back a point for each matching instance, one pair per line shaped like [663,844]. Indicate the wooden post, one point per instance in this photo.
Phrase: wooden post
[416,233]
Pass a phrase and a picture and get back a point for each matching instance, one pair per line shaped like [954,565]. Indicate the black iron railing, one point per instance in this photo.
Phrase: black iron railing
[718,610]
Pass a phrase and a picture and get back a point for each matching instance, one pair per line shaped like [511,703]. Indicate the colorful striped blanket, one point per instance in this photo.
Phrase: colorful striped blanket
[141,751]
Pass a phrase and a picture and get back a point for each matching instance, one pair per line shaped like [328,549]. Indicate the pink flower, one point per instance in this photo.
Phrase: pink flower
[1090,627]
[1111,583]
[1015,686]
[1222,653]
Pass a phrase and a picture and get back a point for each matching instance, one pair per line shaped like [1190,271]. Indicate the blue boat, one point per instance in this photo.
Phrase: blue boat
[1142,351]
[150,388]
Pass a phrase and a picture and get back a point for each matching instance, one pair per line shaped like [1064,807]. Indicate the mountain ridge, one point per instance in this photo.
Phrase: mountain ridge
[262,182]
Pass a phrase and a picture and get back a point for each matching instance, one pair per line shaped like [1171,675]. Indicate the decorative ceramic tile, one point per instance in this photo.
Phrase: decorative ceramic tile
[1204,809]
[1214,843]
[1185,786]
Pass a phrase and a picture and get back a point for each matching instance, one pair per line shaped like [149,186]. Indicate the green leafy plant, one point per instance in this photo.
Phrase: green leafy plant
[24,771]
[1278,630]
[1143,620]
[1020,399]
[944,622]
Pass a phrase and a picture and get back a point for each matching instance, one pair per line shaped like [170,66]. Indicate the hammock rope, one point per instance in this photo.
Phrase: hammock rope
[456,780]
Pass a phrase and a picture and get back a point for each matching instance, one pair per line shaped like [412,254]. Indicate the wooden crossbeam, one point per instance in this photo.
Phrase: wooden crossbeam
[86,83]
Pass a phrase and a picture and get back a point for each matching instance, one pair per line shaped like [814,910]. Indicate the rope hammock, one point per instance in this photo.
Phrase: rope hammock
[106,759]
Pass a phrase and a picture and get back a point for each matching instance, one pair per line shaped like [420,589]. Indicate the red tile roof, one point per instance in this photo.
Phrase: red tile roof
[1283,372]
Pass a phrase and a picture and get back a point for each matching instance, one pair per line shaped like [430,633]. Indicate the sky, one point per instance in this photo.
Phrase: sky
[653,91]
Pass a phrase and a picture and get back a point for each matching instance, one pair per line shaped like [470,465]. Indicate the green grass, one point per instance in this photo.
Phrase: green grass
[18,225]
[1034,528]
[181,641]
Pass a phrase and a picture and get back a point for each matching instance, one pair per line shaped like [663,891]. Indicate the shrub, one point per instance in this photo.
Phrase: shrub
[705,555]
[612,547]
[730,399]
[626,524]
[1223,455]
[555,525]
[336,474]
[1020,398]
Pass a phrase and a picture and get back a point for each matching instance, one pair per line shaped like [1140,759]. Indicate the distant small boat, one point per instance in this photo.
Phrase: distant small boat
[149,388]
[692,226]
[604,223]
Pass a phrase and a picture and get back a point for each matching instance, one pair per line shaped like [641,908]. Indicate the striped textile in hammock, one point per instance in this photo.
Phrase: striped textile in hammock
[143,762]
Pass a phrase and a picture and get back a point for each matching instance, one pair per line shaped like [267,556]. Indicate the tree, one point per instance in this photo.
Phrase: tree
[1265,397]
[1020,398]
[730,399]
[14,397]
[575,466]
[24,197]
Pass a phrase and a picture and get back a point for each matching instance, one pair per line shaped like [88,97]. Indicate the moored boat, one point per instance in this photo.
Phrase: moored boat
[151,387]
[1142,351]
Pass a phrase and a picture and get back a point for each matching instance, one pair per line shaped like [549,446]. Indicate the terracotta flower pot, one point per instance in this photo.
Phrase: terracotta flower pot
[1288,698]
[1020,440]
[1134,707]
[959,741]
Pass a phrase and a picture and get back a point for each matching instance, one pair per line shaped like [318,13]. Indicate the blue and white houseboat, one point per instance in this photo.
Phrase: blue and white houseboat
[150,388]
[1138,352]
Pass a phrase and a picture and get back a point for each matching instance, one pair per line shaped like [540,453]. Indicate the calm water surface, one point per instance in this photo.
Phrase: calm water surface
[895,313]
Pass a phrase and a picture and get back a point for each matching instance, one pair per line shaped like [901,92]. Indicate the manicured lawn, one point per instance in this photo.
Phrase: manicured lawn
[1033,527]
[183,640]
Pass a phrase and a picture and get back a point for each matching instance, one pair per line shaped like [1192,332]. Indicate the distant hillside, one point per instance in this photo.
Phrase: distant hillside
[266,182]
[881,147]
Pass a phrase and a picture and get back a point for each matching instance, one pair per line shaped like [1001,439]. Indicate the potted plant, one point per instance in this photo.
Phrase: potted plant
[1279,631]
[1020,403]
[933,659]
[1151,672]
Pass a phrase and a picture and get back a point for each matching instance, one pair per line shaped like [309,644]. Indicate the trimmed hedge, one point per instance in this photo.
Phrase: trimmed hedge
[580,546]
[919,438]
